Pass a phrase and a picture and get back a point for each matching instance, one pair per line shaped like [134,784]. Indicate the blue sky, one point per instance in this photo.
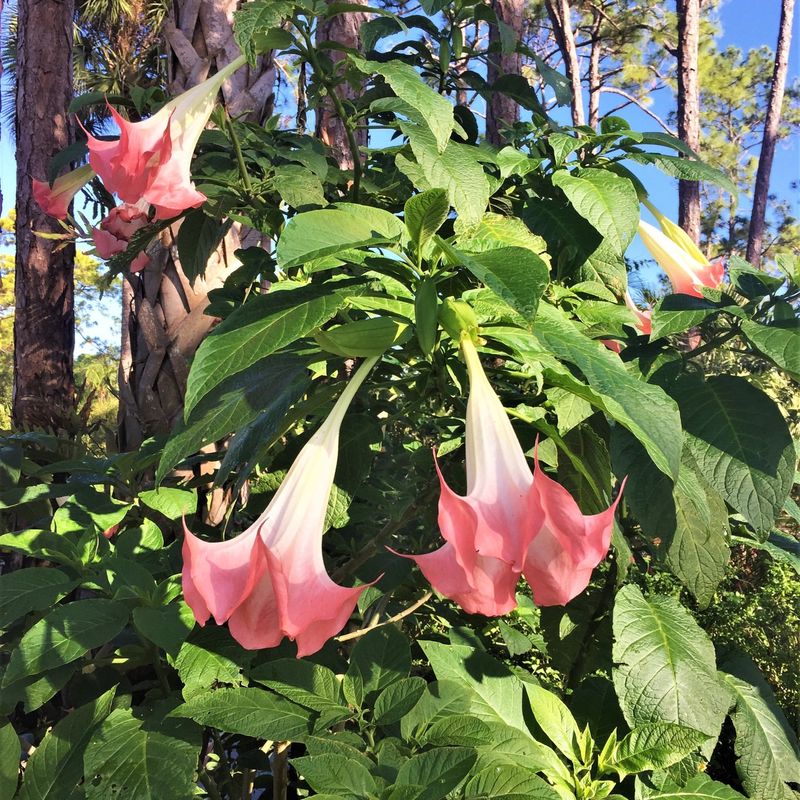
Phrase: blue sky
[745,24]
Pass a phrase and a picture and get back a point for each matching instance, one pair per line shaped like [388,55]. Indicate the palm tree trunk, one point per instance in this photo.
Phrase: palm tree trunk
[44,321]
[689,110]
[163,314]
[502,109]
[755,238]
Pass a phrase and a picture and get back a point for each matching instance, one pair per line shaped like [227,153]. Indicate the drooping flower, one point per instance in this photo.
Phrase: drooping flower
[561,558]
[491,533]
[270,581]
[687,268]
[643,322]
[115,231]
[488,530]
[54,200]
[152,159]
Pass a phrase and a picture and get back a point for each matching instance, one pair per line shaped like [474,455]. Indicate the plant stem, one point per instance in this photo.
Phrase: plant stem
[237,149]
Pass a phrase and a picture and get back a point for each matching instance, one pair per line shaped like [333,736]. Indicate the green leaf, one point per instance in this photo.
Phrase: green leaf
[439,770]
[336,776]
[505,782]
[172,503]
[457,729]
[268,387]
[767,748]
[689,170]
[257,17]
[653,746]
[22,495]
[515,274]
[198,237]
[698,788]
[56,767]
[608,201]
[456,169]
[257,329]
[34,691]
[395,701]
[740,443]
[127,760]
[676,313]
[497,694]
[379,659]
[10,750]
[555,80]
[249,711]
[666,670]
[41,544]
[495,230]
[166,627]
[327,231]
[780,342]
[426,314]
[424,214]
[298,186]
[686,522]
[556,720]
[26,590]
[211,657]
[410,88]
[749,281]
[64,635]
[361,339]
[441,700]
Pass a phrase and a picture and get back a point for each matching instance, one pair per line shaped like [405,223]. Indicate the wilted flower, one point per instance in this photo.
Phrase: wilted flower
[270,581]
[491,533]
[152,159]
[115,231]
[687,268]
[54,200]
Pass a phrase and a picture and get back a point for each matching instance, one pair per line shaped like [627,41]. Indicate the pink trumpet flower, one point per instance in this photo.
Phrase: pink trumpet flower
[115,231]
[491,533]
[270,581]
[54,200]
[643,321]
[152,159]
[687,268]
[569,545]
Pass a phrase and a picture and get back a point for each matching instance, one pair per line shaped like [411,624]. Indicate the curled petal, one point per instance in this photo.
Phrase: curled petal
[644,323]
[106,244]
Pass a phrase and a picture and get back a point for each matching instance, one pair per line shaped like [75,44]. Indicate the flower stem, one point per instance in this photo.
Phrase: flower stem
[237,149]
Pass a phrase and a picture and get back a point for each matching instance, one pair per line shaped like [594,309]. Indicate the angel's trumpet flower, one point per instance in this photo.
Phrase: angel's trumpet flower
[54,200]
[270,581]
[115,231]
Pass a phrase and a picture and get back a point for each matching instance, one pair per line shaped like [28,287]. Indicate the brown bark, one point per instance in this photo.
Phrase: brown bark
[755,238]
[501,109]
[344,29]
[559,13]
[594,71]
[163,322]
[44,322]
[689,110]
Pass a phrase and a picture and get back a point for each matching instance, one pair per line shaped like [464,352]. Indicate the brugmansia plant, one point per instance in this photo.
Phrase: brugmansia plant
[460,452]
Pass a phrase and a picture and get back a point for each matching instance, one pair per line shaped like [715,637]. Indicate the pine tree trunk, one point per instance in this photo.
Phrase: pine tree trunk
[755,238]
[163,314]
[44,321]
[344,29]
[689,110]
[501,109]
[559,13]
[594,72]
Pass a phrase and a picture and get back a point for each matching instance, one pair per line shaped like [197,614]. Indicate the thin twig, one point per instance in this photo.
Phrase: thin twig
[396,618]
[638,103]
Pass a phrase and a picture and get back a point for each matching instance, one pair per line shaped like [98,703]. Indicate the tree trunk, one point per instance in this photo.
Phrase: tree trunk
[344,29]
[501,109]
[689,110]
[594,72]
[44,321]
[559,13]
[163,319]
[755,238]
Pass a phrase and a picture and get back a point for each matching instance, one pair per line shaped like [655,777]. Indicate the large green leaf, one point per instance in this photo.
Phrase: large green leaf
[780,342]
[556,720]
[32,589]
[424,214]
[327,231]
[56,767]
[515,274]
[653,746]
[505,782]
[676,313]
[269,386]
[456,169]
[254,19]
[698,788]
[255,330]
[396,700]
[9,760]
[209,658]
[665,670]
[686,522]
[379,659]
[331,774]
[126,760]
[41,544]
[740,443]
[767,748]
[249,711]
[439,771]
[64,635]
[410,88]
